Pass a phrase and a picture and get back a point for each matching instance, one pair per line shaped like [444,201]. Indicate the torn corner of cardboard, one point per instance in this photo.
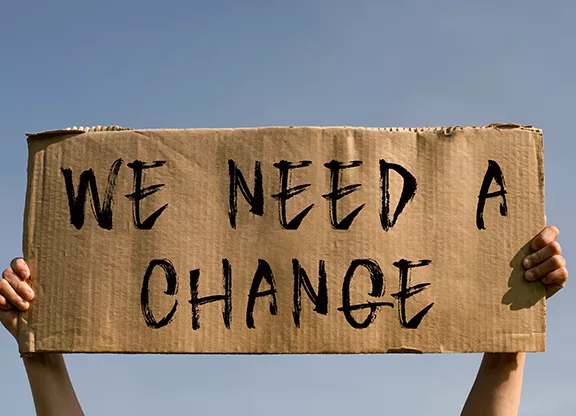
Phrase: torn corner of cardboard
[500,125]
[76,130]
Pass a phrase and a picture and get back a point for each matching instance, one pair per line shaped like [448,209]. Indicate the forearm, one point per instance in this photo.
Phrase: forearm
[51,387]
[498,385]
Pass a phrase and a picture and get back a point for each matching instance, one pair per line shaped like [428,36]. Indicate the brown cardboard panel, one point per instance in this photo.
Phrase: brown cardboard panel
[154,241]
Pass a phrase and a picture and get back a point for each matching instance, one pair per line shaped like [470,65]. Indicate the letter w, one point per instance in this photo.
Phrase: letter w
[77,203]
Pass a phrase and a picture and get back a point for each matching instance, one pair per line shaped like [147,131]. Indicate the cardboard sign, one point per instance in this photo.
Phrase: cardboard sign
[284,240]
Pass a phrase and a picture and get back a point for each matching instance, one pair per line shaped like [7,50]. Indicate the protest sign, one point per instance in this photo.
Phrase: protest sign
[284,240]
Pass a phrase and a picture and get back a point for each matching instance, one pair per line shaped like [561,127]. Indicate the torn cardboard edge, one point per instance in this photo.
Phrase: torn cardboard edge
[76,130]
[447,130]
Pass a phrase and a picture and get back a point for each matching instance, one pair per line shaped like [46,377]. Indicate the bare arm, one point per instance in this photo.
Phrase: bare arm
[498,385]
[51,387]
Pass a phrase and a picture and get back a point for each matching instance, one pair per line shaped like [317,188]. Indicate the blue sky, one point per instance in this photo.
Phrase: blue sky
[249,63]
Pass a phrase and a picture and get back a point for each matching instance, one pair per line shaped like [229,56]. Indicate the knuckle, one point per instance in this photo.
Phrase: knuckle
[550,234]
[557,276]
[4,304]
[28,291]
[558,261]
[538,242]
[537,272]
[6,273]
[537,257]
[556,248]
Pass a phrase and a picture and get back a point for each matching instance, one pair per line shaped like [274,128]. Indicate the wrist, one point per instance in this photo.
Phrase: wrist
[503,361]
[53,360]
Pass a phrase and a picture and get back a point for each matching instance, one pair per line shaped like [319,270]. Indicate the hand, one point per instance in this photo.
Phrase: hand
[498,385]
[546,262]
[15,294]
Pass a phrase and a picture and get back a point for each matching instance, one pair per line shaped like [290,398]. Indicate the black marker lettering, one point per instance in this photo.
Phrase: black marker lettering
[141,193]
[407,291]
[320,299]
[103,213]
[237,180]
[263,272]
[171,290]
[408,191]
[492,173]
[378,290]
[339,193]
[286,193]
[195,301]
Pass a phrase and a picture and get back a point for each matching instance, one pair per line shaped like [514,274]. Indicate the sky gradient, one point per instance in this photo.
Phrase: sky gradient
[253,63]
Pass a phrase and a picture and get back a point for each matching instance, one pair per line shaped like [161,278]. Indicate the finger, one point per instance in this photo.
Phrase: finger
[545,237]
[13,298]
[21,268]
[4,304]
[19,285]
[552,289]
[545,253]
[555,281]
[558,277]
[553,263]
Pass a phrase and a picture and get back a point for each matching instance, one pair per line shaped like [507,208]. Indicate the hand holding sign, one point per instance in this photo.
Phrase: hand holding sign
[546,261]
[15,294]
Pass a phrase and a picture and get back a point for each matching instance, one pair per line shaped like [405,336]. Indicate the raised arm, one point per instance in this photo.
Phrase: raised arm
[498,385]
[51,387]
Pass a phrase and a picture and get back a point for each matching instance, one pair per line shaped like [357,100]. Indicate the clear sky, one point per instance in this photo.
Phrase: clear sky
[215,63]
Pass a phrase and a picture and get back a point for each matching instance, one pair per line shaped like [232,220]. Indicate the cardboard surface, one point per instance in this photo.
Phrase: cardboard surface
[154,263]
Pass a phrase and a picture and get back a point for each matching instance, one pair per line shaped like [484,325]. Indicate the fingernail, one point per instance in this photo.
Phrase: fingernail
[527,262]
[545,280]
[530,275]
[24,304]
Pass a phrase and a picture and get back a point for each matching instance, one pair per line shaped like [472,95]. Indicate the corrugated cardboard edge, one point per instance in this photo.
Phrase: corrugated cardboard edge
[541,178]
[26,335]
[26,342]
